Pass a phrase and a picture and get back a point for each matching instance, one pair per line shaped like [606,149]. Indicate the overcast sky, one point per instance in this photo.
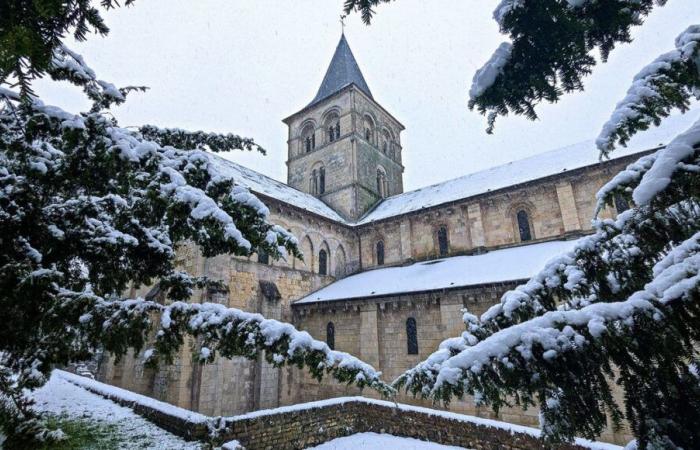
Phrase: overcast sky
[241,66]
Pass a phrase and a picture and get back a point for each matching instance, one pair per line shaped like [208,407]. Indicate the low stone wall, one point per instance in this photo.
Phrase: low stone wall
[300,426]
[308,424]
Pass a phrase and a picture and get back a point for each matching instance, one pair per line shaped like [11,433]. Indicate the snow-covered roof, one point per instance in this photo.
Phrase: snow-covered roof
[539,166]
[261,184]
[515,263]
[342,71]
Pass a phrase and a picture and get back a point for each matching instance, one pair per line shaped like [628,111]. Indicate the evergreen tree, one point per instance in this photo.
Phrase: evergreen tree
[622,308]
[88,209]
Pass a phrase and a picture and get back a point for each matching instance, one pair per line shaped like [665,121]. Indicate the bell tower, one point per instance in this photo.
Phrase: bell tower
[344,147]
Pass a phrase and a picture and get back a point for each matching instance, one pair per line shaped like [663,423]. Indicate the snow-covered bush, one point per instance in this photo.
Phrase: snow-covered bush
[88,209]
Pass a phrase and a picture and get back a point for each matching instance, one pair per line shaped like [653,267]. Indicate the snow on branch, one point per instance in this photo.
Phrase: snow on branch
[653,174]
[529,357]
[231,332]
[214,142]
[668,82]
[70,66]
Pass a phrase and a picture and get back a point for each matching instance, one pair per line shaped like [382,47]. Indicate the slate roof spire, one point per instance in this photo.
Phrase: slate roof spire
[342,72]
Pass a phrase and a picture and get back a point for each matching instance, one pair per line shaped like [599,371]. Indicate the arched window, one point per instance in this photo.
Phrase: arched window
[321,180]
[322,262]
[443,244]
[382,186]
[314,182]
[523,225]
[411,336]
[330,335]
[308,138]
[263,257]
[380,253]
[621,203]
[332,124]
[386,141]
[368,125]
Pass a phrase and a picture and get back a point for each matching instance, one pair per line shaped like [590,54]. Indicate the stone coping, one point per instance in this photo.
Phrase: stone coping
[312,423]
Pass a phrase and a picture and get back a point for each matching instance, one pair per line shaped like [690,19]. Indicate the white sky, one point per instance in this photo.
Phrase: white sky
[241,66]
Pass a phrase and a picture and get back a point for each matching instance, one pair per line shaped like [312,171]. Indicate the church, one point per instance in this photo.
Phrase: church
[386,273]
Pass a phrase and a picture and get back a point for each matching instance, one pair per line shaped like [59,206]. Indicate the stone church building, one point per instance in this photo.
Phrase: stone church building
[385,273]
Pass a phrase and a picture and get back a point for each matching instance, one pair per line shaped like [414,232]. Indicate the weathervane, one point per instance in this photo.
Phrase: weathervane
[342,23]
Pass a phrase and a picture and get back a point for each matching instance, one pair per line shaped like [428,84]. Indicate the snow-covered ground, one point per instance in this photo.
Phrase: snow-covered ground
[62,398]
[375,441]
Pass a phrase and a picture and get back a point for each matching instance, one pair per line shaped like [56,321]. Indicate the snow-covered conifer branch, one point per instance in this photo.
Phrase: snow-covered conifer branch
[228,332]
[655,177]
[668,82]
[571,351]
[213,142]
[550,50]
[67,65]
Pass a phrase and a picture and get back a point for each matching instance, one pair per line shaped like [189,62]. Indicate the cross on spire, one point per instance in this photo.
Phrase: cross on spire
[342,23]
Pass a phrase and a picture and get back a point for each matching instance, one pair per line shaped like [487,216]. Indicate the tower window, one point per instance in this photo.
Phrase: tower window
[382,186]
[330,335]
[385,147]
[380,253]
[411,336]
[321,180]
[308,138]
[523,225]
[322,262]
[337,130]
[331,134]
[621,203]
[314,182]
[443,244]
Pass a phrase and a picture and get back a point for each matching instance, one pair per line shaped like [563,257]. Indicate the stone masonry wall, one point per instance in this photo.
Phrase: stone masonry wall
[308,426]
[374,329]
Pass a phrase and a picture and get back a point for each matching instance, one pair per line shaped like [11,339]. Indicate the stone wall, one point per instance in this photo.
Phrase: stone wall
[374,329]
[308,425]
[556,206]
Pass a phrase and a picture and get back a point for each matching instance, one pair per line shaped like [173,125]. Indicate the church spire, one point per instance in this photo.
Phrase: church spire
[342,72]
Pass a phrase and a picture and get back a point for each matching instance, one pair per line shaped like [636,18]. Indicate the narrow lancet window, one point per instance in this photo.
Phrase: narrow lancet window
[411,336]
[330,335]
[322,262]
[443,244]
[524,225]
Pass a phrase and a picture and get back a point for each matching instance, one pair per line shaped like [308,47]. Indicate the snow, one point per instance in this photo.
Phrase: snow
[535,167]
[645,88]
[61,397]
[263,185]
[494,266]
[125,395]
[486,76]
[676,278]
[665,165]
[376,441]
